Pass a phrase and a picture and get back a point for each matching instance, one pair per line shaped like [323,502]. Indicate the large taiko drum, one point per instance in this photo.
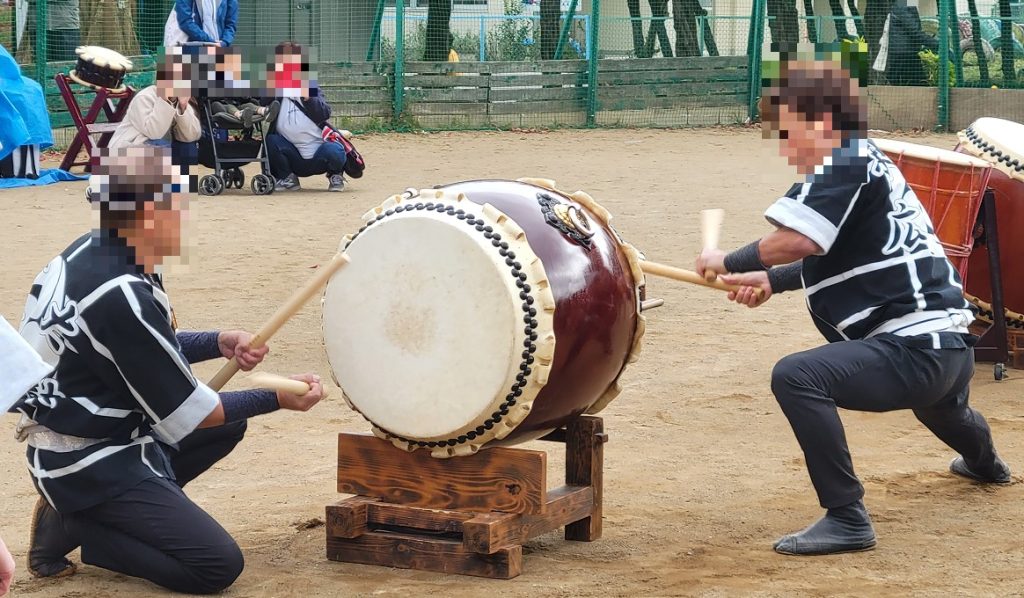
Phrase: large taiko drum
[1001,143]
[950,186]
[482,313]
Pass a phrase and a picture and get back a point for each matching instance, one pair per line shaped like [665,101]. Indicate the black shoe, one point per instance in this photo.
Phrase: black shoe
[845,529]
[999,474]
[272,110]
[49,545]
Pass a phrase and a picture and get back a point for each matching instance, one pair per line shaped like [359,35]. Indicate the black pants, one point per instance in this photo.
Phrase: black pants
[155,532]
[883,373]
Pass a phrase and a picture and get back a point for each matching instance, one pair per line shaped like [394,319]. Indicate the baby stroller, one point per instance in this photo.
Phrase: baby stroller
[226,156]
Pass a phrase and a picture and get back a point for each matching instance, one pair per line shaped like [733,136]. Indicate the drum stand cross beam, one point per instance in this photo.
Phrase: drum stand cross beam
[465,515]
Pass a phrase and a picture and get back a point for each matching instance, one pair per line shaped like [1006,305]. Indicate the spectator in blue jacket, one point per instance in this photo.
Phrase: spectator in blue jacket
[203,21]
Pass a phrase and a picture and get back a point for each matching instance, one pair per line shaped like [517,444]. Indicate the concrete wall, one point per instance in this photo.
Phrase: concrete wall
[968,105]
[902,108]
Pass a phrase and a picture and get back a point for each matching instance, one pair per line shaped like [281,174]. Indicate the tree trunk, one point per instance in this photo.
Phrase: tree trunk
[109,24]
[658,33]
[858,25]
[839,18]
[783,23]
[1006,43]
[638,28]
[812,29]
[439,13]
[979,47]
[550,21]
[709,37]
[684,18]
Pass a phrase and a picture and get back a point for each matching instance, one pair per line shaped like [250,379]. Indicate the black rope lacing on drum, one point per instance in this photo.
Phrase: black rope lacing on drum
[1015,163]
[527,306]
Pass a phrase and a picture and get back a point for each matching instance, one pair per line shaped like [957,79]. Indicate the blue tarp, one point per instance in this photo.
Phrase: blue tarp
[23,117]
[46,177]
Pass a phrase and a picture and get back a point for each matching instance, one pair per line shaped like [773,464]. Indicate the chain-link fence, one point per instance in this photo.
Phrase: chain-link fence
[446,64]
[910,44]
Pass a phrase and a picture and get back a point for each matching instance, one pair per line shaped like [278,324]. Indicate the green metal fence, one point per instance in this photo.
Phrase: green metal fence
[449,64]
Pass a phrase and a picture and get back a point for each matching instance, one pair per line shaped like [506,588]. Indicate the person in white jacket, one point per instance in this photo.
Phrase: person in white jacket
[165,113]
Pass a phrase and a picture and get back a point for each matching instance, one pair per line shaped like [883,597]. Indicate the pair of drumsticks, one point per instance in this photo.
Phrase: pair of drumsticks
[711,223]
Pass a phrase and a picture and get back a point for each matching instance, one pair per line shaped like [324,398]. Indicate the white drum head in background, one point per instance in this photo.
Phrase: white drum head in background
[998,141]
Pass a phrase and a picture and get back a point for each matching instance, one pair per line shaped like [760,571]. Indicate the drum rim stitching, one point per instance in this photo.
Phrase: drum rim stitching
[527,307]
[990,149]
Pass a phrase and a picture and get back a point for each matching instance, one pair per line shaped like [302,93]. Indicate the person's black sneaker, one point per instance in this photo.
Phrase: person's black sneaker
[271,113]
[48,544]
[998,474]
[843,529]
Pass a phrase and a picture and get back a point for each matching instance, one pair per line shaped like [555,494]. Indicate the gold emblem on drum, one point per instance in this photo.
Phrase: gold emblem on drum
[574,218]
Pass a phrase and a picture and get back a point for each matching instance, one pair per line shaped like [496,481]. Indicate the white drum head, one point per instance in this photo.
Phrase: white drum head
[424,329]
[998,141]
[104,57]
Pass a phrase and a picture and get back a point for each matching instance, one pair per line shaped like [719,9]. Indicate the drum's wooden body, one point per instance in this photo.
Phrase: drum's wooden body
[573,286]
[950,186]
[596,301]
[1002,144]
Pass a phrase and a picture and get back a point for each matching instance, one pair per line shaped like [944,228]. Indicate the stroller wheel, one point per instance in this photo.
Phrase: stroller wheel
[238,177]
[262,184]
[211,184]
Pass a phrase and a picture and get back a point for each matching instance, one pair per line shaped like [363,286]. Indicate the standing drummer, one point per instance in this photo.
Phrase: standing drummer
[122,424]
[854,236]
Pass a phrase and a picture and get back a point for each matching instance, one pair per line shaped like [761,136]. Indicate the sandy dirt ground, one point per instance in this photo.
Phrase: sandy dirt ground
[702,470]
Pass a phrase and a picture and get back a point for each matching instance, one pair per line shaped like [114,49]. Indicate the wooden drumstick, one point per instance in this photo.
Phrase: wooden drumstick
[275,382]
[687,276]
[711,226]
[283,314]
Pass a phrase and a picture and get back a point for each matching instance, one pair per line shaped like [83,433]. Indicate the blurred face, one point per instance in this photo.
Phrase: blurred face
[174,83]
[288,78]
[805,144]
[163,225]
[142,195]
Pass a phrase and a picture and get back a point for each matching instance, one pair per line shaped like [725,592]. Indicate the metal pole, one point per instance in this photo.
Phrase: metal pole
[755,40]
[954,25]
[399,58]
[564,35]
[592,48]
[41,14]
[483,39]
[375,34]
[942,77]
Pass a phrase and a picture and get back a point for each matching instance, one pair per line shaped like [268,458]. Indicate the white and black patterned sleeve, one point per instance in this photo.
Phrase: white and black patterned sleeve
[818,208]
[129,327]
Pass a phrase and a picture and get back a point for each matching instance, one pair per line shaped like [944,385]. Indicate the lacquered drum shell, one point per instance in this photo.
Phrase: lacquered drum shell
[596,304]
[1009,200]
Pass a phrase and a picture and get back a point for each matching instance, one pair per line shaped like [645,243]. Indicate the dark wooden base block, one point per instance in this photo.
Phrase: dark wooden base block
[465,515]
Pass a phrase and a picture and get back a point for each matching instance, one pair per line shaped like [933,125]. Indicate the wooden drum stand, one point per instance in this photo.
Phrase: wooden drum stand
[465,515]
